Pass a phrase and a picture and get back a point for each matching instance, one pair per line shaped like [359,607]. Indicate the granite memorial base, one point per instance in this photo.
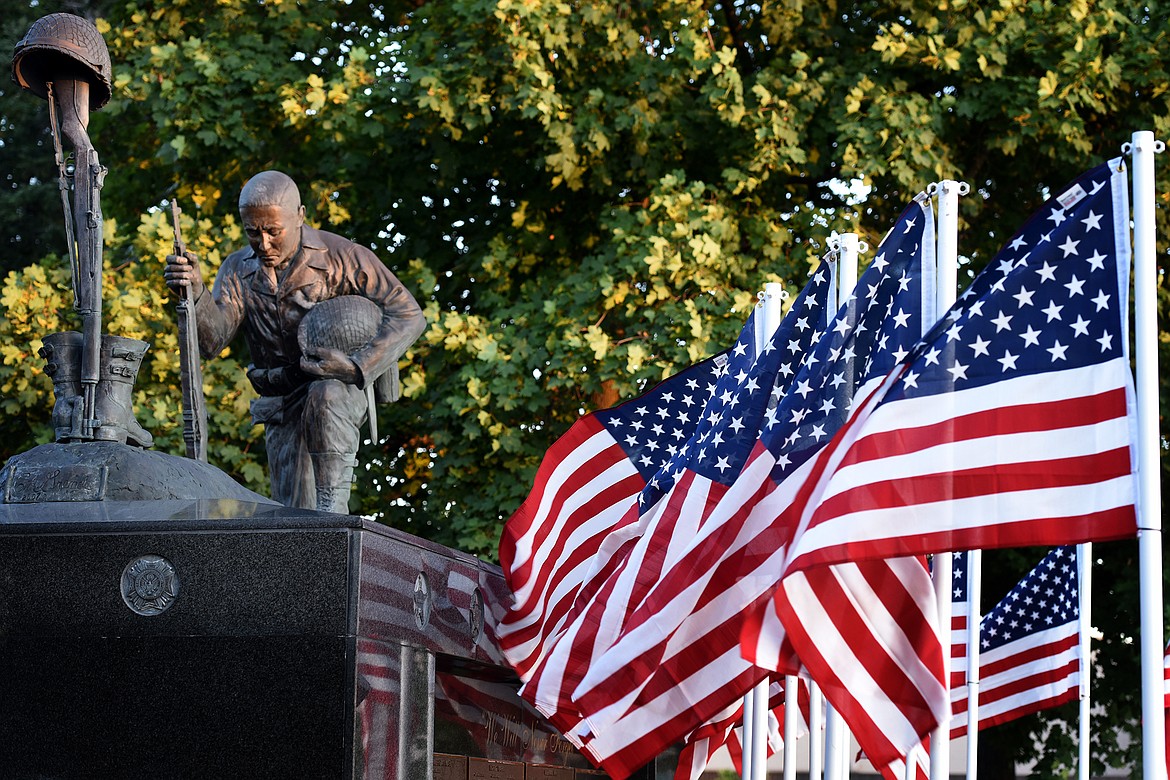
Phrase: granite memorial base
[232,639]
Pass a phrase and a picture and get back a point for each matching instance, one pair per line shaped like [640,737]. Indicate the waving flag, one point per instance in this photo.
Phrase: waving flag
[674,503]
[1008,425]
[584,485]
[1029,646]
[677,659]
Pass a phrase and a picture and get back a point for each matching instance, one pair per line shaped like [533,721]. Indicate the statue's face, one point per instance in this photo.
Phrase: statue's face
[273,231]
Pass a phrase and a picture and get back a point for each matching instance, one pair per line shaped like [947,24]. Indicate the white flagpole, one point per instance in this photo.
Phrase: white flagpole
[847,248]
[974,619]
[747,749]
[760,731]
[948,192]
[911,770]
[755,703]
[791,724]
[816,742]
[1143,149]
[1084,625]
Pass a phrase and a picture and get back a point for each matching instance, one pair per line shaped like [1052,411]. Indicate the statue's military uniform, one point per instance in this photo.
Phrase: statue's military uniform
[311,425]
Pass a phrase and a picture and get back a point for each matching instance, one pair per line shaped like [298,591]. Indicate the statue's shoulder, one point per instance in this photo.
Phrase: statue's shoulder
[332,243]
[237,263]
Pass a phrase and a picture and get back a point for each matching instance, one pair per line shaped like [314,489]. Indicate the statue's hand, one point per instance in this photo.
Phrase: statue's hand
[183,271]
[329,363]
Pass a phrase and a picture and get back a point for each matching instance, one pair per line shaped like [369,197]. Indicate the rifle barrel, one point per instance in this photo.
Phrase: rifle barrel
[191,371]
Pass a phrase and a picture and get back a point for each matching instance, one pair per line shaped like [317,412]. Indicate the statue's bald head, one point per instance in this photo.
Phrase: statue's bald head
[272,217]
[271,188]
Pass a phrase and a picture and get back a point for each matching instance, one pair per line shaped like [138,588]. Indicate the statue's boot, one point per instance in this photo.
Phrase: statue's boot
[120,361]
[333,473]
[62,354]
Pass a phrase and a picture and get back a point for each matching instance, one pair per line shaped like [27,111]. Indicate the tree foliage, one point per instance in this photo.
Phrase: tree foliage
[584,196]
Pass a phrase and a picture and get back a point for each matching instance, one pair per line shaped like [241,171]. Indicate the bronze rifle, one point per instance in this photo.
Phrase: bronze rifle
[194,411]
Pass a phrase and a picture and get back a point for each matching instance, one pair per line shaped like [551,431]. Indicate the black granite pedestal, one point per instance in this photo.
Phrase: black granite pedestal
[232,639]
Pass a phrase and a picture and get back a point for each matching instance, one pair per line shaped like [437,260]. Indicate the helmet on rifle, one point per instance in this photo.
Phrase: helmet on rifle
[62,47]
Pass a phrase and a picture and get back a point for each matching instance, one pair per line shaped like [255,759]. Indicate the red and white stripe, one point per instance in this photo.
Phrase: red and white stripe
[866,633]
[621,581]
[583,488]
[980,470]
[1026,676]
[678,655]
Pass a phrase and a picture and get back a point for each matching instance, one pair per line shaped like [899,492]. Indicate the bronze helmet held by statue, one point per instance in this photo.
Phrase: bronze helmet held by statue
[63,46]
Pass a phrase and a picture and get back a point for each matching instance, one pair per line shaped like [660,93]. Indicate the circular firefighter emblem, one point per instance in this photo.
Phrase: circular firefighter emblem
[149,585]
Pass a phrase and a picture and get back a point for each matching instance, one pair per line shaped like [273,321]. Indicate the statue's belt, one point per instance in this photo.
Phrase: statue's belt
[279,380]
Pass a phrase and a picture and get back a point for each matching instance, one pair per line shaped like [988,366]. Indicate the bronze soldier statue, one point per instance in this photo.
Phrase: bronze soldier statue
[313,396]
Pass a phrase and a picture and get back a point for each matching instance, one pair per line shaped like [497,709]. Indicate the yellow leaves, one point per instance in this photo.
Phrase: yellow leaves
[315,95]
[291,106]
[566,163]
[201,195]
[892,43]
[636,357]
[663,256]
[704,248]
[475,389]
[414,383]
[1047,86]
[598,140]
[337,213]
[521,219]
[618,294]
[598,341]
[990,69]
[299,102]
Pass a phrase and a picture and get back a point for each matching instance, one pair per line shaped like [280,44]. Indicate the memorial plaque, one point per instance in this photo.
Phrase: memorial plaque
[64,482]
[549,772]
[582,774]
[448,767]
[487,769]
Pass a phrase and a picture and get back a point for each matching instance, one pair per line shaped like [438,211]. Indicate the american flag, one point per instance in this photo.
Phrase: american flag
[1009,424]
[850,624]
[677,658]
[1029,655]
[672,505]
[585,483]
